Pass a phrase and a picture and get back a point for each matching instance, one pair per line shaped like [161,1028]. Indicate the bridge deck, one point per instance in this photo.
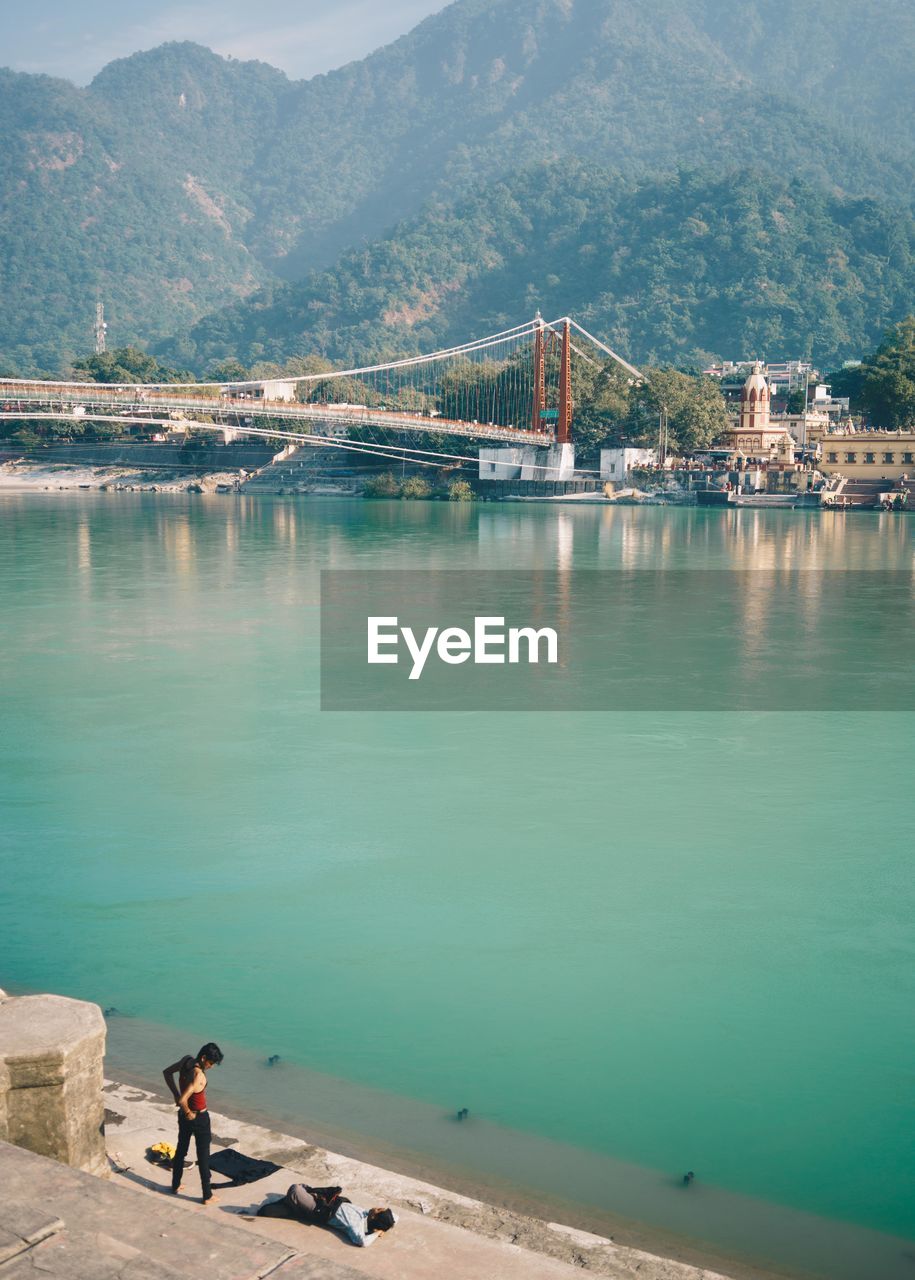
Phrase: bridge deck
[19,397]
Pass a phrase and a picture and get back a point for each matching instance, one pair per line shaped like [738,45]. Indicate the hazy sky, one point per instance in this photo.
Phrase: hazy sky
[75,38]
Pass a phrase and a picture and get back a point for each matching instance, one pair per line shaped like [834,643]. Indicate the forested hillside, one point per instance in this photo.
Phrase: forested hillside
[123,204]
[179,181]
[673,269]
[488,86]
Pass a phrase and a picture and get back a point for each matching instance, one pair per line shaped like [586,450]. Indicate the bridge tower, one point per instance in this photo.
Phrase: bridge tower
[539,376]
[564,421]
[562,416]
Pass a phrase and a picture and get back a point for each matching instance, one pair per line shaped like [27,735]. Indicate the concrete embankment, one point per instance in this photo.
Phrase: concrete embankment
[59,1218]
[172,467]
[439,1233]
[126,465]
[64,1224]
[163,455]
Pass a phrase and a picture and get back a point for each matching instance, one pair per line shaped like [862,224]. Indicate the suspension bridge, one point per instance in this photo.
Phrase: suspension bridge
[510,388]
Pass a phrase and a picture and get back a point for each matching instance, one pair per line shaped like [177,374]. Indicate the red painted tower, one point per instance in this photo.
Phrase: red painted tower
[564,422]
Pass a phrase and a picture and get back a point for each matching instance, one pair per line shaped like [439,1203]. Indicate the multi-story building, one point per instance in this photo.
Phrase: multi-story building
[866,455]
[783,377]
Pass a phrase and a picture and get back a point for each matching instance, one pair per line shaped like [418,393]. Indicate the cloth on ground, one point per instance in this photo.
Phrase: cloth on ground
[239,1168]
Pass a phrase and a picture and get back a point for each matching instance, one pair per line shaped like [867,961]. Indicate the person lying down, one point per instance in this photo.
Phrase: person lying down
[328,1207]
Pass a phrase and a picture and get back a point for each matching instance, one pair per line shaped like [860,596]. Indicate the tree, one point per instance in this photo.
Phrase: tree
[887,379]
[415,487]
[385,485]
[100,429]
[127,364]
[228,371]
[847,382]
[601,403]
[695,409]
[24,437]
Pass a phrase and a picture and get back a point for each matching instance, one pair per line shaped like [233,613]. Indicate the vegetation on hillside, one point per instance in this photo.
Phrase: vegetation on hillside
[676,269]
[126,364]
[178,181]
[882,387]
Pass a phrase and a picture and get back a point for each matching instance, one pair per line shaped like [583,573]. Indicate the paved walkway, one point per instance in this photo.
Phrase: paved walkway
[57,1223]
[478,1243]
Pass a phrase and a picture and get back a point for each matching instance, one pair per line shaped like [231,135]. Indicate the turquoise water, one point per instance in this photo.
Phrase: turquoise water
[666,941]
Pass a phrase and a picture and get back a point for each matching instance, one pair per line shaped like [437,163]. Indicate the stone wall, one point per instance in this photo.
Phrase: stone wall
[51,1060]
[167,454]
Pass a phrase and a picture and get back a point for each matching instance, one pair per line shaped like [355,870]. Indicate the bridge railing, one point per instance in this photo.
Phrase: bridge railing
[94,396]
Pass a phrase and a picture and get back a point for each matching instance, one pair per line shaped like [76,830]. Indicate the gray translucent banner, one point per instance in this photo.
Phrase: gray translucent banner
[626,640]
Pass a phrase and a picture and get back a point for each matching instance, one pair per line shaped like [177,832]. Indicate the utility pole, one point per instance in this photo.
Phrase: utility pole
[662,436]
[101,328]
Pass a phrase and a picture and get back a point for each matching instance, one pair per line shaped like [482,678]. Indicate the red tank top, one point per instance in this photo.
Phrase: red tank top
[197,1101]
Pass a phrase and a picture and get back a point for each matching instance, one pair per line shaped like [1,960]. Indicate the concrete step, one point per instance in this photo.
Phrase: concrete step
[22,1226]
[93,1229]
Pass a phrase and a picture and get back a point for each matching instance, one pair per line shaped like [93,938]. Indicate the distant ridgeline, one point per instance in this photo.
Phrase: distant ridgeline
[670,270]
[178,183]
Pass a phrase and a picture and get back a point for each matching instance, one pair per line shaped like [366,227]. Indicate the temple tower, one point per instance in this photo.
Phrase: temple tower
[754,401]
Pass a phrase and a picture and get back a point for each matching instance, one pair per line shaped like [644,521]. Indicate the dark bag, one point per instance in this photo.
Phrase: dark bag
[329,1201]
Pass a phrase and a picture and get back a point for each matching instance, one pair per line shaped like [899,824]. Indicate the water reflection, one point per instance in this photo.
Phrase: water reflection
[84,546]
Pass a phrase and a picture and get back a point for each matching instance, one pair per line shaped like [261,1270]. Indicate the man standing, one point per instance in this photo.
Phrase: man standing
[193,1117]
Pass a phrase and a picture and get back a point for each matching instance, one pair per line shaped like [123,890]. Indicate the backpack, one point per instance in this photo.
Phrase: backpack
[329,1200]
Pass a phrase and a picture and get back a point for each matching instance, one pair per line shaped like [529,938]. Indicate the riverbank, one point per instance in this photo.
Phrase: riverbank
[27,475]
[453,1234]
[139,1115]
[30,477]
[331,472]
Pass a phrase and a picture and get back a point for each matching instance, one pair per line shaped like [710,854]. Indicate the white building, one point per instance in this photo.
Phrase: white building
[781,376]
[616,464]
[282,389]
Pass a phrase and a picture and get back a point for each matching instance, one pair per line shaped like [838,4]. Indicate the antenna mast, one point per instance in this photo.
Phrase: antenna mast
[101,328]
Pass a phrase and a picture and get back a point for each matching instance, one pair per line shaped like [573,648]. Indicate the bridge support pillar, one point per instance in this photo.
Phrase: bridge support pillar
[528,462]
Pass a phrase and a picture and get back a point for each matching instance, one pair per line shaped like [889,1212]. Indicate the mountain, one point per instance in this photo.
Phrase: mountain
[119,191]
[671,269]
[488,86]
[179,181]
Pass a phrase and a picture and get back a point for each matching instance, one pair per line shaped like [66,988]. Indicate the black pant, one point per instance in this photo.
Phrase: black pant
[199,1130]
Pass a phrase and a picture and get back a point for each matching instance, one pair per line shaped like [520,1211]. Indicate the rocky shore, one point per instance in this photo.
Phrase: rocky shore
[29,477]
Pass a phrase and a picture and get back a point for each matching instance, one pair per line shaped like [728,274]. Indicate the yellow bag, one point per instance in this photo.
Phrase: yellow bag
[161,1153]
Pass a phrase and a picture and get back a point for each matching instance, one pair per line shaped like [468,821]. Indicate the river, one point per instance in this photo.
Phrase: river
[630,944]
